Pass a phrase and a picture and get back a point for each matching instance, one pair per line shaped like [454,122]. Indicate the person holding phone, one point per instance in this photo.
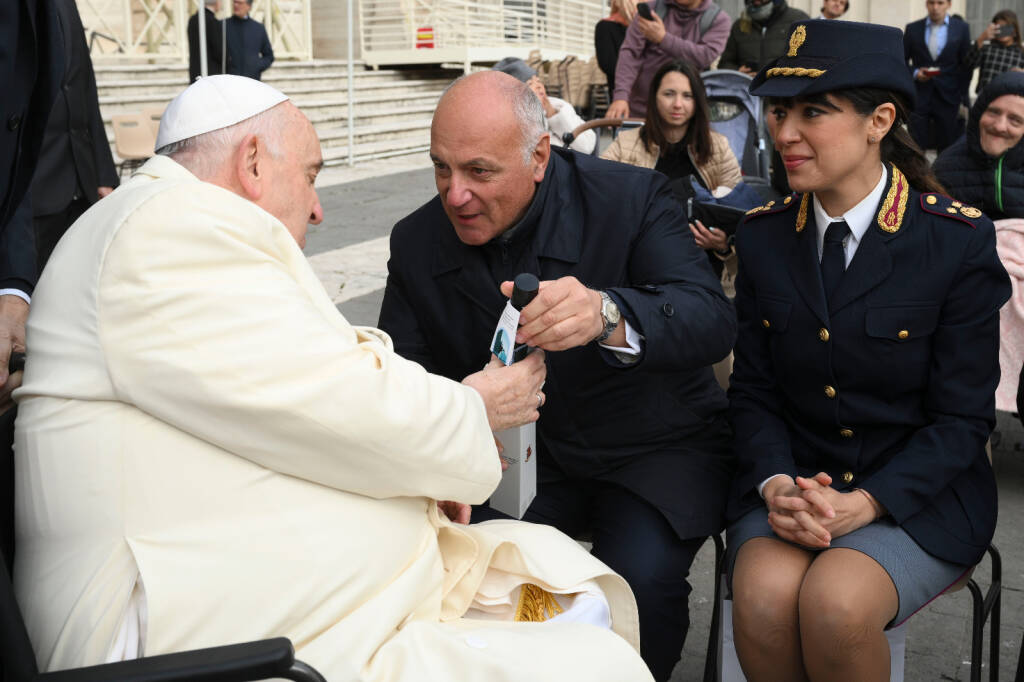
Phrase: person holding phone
[662,31]
[997,50]
[862,393]
[676,139]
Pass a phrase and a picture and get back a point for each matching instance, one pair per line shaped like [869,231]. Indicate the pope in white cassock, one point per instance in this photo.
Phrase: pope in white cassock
[208,453]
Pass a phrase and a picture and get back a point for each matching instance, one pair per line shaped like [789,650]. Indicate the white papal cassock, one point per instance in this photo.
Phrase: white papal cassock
[198,416]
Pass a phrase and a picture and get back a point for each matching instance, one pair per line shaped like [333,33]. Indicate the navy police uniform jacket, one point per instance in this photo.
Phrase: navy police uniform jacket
[656,427]
[889,386]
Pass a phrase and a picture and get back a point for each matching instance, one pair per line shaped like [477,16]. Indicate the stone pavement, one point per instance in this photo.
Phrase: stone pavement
[349,252]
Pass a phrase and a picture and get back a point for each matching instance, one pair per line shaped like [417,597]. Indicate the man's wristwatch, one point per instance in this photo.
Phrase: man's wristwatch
[610,314]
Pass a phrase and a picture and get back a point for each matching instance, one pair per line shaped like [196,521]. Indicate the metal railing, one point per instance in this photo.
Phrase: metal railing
[156,29]
[461,31]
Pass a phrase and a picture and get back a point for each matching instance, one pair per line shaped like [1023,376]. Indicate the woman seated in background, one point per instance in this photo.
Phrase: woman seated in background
[997,50]
[866,362]
[676,139]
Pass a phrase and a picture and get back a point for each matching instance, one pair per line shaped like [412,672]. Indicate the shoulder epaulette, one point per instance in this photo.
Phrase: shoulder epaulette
[774,206]
[940,204]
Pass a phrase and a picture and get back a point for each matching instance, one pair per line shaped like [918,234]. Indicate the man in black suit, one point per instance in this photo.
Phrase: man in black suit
[632,444]
[934,48]
[216,57]
[30,66]
[75,167]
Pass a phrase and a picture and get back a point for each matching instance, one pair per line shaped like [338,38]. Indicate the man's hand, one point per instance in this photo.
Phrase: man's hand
[565,314]
[618,109]
[457,512]
[747,70]
[13,314]
[924,76]
[104,191]
[511,394]
[653,28]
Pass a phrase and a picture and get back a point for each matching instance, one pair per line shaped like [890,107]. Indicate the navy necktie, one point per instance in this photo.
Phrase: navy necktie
[833,257]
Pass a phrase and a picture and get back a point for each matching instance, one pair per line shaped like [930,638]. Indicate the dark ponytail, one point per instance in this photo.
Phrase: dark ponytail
[897,148]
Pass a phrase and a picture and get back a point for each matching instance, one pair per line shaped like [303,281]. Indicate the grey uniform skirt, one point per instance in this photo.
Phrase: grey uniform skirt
[918,576]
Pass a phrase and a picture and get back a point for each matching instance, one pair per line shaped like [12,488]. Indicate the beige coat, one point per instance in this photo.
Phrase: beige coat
[198,419]
[721,170]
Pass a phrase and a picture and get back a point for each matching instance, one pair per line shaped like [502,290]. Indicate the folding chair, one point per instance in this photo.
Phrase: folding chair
[153,114]
[134,140]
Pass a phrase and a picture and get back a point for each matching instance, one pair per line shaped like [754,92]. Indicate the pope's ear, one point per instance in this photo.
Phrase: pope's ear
[249,166]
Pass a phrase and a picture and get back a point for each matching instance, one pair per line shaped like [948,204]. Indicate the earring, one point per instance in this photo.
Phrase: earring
[872,139]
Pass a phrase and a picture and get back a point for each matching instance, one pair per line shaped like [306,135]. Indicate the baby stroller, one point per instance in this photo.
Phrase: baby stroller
[737,114]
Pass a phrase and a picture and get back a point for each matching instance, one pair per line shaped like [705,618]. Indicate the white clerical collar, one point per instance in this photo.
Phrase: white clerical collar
[858,218]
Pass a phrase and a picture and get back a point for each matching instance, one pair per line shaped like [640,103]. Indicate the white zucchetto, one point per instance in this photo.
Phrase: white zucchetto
[213,103]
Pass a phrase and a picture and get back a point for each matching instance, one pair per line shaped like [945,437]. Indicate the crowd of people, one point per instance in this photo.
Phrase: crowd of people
[196,417]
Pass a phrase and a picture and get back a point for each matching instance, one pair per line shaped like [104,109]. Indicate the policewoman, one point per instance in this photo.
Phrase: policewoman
[867,359]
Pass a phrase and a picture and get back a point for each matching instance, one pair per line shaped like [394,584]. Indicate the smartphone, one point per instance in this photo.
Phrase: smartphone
[644,10]
[1004,31]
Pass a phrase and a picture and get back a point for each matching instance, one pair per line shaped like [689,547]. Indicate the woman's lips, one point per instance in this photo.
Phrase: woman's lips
[791,162]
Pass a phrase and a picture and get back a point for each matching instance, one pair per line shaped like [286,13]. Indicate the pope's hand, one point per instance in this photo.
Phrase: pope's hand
[457,512]
[13,314]
[511,394]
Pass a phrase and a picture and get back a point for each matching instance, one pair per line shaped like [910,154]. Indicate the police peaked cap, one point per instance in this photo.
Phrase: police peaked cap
[825,56]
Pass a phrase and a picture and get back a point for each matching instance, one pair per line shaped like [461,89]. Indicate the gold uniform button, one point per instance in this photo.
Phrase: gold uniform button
[904,334]
[766,324]
[823,334]
[830,392]
[846,433]
[931,199]
[848,477]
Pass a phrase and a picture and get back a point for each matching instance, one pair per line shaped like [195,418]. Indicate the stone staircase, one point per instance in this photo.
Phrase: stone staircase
[392,108]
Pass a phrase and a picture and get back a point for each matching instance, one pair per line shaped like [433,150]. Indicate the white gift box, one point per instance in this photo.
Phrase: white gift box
[518,484]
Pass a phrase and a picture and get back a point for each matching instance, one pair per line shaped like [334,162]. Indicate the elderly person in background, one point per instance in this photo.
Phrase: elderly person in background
[997,49]
[985,168]
[692,30]
[208,452]
[559,116]
[632,445]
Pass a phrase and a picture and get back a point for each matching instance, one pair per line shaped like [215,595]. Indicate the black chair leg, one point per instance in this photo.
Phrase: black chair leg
[987,607]
[712,662]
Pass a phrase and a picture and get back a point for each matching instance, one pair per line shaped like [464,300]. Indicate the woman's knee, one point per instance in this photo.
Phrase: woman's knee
[766,590]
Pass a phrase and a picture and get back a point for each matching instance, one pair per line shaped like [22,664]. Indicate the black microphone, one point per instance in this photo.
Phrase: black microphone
[524,289]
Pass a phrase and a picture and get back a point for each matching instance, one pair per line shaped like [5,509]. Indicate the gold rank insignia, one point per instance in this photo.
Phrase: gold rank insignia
[796,40]
[890,215]
[939,204]
[801,216]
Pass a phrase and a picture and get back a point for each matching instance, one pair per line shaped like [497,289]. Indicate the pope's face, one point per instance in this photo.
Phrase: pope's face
[292,197]
[1002,125]
[476,145]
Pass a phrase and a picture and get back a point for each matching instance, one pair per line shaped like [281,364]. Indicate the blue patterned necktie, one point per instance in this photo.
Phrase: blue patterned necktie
[833,257]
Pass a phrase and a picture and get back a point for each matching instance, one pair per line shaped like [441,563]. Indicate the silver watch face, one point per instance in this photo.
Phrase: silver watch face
[610,311]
